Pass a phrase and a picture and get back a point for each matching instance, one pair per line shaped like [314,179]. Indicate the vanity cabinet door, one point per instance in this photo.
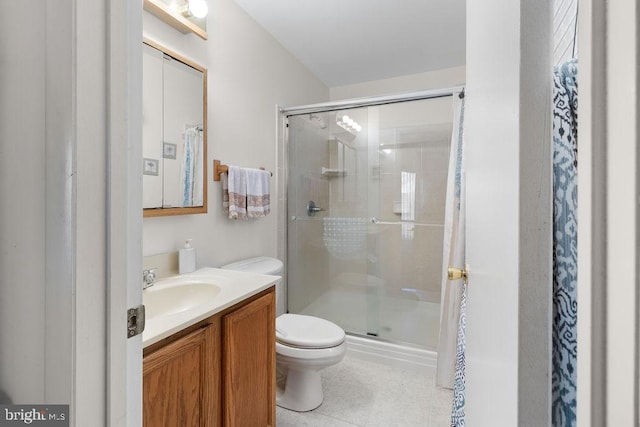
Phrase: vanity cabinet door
[181,382]
[249,364]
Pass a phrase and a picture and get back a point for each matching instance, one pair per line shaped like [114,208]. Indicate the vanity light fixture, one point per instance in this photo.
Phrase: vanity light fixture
[196,8]
[348,124]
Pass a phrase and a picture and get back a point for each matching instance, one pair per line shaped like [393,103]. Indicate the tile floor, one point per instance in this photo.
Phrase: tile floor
[367,394]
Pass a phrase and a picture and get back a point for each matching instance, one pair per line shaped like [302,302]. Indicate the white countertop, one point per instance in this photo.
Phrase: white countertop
[235,286]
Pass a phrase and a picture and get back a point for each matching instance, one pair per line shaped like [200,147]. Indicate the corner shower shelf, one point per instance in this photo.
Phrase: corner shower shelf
[333,172]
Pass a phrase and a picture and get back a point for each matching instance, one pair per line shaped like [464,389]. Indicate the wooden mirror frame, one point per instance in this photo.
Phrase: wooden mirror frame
[155,212]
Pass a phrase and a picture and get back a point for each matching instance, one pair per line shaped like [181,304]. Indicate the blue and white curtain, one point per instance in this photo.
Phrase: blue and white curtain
[565,242]
[191,170]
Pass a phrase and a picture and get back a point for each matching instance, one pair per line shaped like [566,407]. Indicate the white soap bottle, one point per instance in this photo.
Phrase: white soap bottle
[187,258]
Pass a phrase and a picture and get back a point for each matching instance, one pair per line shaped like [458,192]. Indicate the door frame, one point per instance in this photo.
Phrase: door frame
[93,212]
[608,354]
[592,208]
[622,213]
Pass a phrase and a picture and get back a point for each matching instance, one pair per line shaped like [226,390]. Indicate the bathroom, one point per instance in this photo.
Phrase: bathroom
[80,264]
[267,236]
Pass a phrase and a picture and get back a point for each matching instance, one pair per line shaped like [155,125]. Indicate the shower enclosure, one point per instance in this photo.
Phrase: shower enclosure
[366,193]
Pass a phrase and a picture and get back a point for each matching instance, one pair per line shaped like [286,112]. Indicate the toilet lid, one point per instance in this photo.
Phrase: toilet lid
[307,331]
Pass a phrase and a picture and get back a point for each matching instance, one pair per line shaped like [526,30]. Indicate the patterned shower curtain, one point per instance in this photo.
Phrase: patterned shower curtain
[565,242]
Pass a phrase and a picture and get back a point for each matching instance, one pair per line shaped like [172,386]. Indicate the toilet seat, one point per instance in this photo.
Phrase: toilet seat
[311,356]
[297,330]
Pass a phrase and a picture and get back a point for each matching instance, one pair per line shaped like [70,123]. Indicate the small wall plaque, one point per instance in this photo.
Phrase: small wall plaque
[150,167]
[169,150]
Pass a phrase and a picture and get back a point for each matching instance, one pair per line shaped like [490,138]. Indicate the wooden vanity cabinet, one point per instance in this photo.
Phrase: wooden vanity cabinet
[180,381]
[249,364]
[219,372]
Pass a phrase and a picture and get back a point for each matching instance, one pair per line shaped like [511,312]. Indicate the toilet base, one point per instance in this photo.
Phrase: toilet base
[302,391]
[298,374]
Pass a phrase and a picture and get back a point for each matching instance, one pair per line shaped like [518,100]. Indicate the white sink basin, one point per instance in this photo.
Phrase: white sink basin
[169,300]
[178,302]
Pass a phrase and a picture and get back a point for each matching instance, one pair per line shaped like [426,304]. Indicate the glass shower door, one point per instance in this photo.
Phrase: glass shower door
[327,246]
[369,256]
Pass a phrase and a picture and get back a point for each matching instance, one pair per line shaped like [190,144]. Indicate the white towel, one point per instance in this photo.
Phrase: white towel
[234,193]
[258,197]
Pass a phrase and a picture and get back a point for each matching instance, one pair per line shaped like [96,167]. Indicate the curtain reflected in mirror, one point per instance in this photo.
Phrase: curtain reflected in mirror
[174,133]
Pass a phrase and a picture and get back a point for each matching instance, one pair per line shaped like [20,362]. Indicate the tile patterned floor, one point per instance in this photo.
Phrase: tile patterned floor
[367,394]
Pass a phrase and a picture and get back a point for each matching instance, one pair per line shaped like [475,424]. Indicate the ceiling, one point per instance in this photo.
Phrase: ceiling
[351,41]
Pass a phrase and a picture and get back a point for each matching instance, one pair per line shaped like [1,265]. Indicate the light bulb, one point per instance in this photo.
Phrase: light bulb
[198,8]
[358,127]
[345,118]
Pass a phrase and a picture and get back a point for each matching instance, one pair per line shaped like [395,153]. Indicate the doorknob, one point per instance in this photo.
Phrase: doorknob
[457,273]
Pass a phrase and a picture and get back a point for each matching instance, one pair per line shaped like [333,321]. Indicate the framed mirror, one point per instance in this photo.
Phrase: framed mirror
[174,117]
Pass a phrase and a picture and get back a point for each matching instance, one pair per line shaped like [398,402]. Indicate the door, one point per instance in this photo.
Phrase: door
[508,211]
[124,211]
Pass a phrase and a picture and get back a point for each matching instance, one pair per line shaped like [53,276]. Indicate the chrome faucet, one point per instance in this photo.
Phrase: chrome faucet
[148,277]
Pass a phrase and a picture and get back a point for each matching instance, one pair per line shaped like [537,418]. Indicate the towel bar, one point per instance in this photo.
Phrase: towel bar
[219,168]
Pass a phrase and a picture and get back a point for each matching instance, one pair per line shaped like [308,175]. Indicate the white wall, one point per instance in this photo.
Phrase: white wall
[446,77]
[22,227]
[248,74]
[52,332]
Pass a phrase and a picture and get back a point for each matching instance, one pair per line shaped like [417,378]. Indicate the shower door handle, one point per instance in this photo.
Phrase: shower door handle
[312,209]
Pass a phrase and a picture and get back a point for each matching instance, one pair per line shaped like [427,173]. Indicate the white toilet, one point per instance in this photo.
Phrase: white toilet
[304,345]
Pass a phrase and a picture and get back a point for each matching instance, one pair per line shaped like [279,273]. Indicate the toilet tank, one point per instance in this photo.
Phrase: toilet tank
[263,265]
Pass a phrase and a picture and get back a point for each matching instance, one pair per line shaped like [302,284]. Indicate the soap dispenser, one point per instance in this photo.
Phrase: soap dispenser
[187,258]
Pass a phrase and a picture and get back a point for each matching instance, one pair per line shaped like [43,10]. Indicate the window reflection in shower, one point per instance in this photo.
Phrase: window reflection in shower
[407,205]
